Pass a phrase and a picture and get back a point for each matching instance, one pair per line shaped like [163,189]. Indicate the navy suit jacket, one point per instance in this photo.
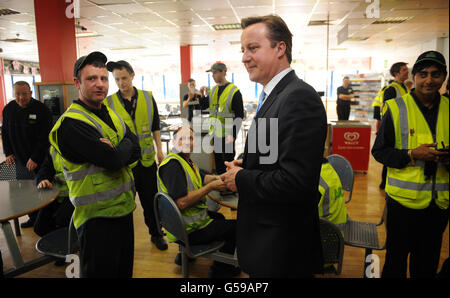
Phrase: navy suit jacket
[278,231]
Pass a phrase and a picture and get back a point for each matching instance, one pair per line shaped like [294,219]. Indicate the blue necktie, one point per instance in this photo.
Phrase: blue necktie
[261,98]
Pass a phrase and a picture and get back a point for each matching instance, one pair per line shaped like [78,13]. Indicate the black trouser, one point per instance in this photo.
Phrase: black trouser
[343,111]
[107,247]
[53,216]
[384,175]
[223,152]
[414,232]
[146,187]
[220,229]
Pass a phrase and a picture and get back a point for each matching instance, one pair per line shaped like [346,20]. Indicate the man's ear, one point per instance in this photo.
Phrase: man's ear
[281,47]
[77,82]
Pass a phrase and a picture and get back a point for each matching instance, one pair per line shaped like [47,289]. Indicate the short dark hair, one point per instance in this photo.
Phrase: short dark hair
[121,64]
[22,83]
[277,31]
[191,80]
[395,68]
[424,64]
[96,63]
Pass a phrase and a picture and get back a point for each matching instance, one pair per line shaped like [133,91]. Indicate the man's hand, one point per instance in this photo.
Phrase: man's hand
[234,163]
[159,157]
[218,185]
[444,158]
[229,139]
[204,90]
[229,178]
[45,184]
[425,152]
[106,141]
[10,160]
[31,165]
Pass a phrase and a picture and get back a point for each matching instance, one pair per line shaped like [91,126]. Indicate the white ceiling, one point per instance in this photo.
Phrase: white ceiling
[153,30]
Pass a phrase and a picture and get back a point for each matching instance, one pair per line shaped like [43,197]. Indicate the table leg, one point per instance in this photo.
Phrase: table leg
[12,245]
[17,227]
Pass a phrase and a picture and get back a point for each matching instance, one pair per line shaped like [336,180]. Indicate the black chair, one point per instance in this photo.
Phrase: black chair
[345,172]
[364,235]
[14,172]
[332,246]
[59,243]
[11,173]
[169,217]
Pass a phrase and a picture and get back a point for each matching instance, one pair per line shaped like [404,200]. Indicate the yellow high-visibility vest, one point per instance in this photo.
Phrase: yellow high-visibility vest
[93,190]
[409,185]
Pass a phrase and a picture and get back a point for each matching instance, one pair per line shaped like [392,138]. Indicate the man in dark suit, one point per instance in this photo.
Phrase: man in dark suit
[277,223]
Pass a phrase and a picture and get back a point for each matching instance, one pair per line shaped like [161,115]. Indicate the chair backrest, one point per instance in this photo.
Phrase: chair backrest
[332,243]
[345,172]
[169,217]
[14,172]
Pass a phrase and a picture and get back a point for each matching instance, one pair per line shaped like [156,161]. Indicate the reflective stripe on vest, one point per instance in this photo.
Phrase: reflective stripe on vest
[418,186]
[103,195]
[326,198]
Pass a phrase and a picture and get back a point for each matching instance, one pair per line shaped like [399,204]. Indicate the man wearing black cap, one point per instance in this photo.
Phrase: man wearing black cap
[413,142]
[226,112]
[139,111]
[97,148]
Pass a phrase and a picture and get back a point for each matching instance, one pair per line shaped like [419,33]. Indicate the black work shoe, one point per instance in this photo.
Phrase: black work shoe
[223,271]
[159,242]
[27,224]
[178,259]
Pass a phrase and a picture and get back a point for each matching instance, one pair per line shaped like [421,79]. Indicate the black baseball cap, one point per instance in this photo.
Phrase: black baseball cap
[217,67]
[82,61]
[119,65]
[431,56]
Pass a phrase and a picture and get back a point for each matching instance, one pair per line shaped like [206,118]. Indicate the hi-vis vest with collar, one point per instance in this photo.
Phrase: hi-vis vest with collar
[142,124]
[409,185]
[220,110]
[378,100]
[59,180]
[399,92]
[195,217]
[332,203]
[93,190]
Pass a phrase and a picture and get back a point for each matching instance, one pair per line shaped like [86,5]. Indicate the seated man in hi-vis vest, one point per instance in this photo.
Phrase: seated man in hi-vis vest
[139,111]
[413,142]
[96,148]
[181,179]
[58,213]
[332,202]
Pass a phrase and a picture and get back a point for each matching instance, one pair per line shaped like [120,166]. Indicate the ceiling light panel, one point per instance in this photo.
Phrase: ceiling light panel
[124,9]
